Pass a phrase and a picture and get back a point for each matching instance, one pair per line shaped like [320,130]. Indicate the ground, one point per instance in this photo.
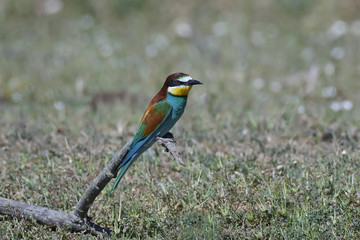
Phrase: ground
[270,141]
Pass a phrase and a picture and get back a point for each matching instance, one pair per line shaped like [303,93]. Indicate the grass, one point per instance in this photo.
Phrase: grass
[270,141]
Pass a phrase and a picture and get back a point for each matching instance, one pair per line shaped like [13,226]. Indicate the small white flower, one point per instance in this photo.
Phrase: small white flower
[258,83]
[52,6]
[329,69]
[59,105]
[347,105]
[337,53]
[16,97]
[184,29]
[244,131]
[338,29]
[301,109]
[328,92]
[335,106]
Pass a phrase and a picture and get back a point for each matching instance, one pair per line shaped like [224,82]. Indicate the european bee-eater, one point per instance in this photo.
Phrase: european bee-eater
[163,112]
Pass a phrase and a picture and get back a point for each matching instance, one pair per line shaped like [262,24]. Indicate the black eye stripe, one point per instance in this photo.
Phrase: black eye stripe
[175,83]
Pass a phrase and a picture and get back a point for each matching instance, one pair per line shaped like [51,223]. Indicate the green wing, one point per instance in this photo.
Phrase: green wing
[153,117]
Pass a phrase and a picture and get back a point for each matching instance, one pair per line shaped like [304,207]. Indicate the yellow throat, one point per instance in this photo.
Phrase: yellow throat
[179,91]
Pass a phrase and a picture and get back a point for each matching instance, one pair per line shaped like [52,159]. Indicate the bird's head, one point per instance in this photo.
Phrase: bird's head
[179,84]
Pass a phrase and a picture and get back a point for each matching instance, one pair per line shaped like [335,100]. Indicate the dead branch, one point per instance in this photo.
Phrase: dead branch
[48,217]
[98,184]
[78,220]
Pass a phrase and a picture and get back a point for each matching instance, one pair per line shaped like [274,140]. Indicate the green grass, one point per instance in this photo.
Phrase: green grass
[267,154]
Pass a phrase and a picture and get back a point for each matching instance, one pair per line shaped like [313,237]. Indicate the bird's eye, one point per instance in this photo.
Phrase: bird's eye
[177,82]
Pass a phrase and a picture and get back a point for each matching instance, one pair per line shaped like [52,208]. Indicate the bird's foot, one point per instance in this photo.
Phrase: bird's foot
[169,135]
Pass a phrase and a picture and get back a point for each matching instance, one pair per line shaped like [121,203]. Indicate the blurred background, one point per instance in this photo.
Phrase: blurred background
[280,103]
[252,55]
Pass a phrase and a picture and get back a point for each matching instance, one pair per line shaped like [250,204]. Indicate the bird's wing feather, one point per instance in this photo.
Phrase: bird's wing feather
[153,118]
[154,115]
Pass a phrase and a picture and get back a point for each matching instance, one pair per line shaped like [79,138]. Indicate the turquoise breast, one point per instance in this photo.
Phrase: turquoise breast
[178,104]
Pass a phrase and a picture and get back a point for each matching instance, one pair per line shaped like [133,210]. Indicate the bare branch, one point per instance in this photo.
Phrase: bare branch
[99,183]
[48,217]
[77,220]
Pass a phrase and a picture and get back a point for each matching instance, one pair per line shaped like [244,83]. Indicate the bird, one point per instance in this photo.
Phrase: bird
[163,111]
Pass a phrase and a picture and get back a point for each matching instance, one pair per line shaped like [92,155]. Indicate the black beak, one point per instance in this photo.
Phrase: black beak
[193,82]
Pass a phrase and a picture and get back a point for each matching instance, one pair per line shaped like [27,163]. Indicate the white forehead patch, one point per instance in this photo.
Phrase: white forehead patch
[185,79]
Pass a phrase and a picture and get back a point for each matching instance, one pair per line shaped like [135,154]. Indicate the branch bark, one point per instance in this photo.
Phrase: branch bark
[169,144]
[98,184]
[78,220]
[48,217]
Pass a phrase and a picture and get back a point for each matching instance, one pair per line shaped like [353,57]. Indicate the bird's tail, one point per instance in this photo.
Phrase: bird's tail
[134,152]
[128,160]
[121,174]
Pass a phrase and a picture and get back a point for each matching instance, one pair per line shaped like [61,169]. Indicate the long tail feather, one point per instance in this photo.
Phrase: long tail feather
[130,157]
[121,174]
